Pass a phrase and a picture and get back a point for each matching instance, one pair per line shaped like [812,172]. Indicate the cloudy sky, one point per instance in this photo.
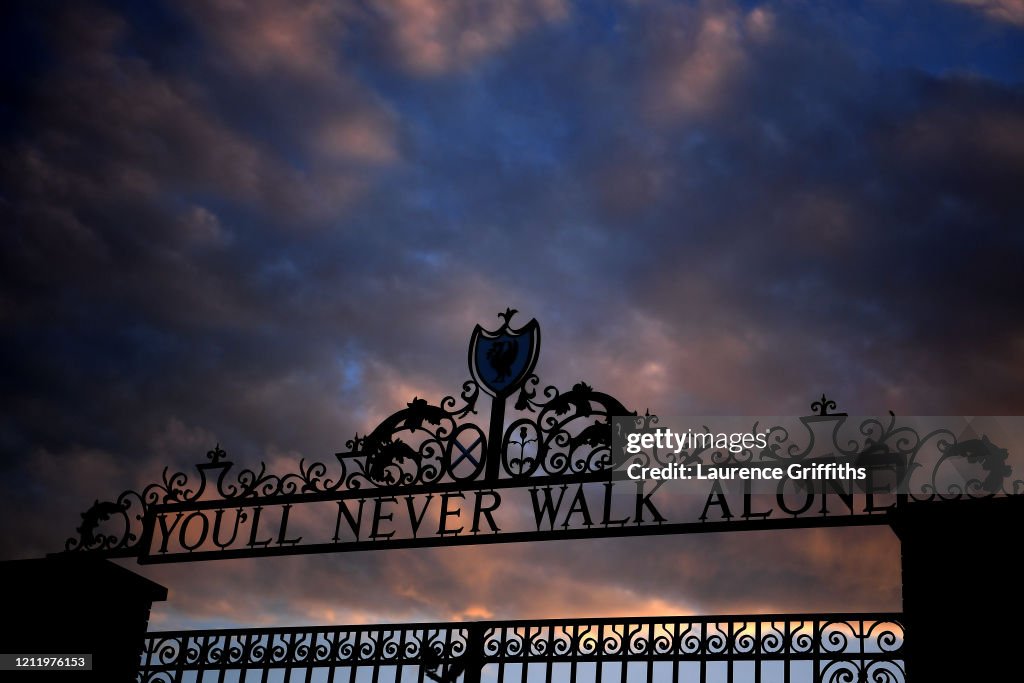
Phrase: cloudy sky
[270,224]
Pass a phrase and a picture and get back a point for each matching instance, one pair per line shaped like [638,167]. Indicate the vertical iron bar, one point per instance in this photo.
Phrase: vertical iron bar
[289,662]
[677,648]
[730,652]
[650,652]
[311,656]
[474,656]
[757,652]
[549,668]
[266,658]
[817,651]
[354,669]
[495,434]
[180,671]
[333,656]
[401,655]
[423,644]
[502,649]
[574,651]
[526,655]
[624,652]
[375,675]
[787,643]
[703,651]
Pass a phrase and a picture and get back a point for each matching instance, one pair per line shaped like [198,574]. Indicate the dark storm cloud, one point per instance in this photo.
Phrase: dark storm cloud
[273,226]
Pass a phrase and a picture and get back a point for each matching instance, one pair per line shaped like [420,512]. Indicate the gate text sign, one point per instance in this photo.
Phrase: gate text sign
[486,515]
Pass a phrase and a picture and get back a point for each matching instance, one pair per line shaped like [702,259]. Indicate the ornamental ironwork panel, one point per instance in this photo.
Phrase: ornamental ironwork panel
[547,451]
[832,648]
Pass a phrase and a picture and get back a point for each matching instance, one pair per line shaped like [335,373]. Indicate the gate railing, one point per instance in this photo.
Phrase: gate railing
[831,648]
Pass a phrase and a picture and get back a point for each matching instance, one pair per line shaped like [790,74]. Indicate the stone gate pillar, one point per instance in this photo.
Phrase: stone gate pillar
[963,589]
[76,604]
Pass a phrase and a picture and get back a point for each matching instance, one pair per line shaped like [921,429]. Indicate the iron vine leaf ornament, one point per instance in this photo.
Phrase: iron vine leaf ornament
[419,411]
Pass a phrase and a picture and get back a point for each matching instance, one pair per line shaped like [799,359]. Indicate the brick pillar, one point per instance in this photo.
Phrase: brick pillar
[963,591]
[76,604]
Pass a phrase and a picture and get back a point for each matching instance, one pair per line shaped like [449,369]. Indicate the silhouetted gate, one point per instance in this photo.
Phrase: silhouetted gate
[780,647]
[555,455]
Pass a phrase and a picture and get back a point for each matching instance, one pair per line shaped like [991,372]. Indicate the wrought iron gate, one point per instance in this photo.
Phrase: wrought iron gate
[554,451]
[789,648]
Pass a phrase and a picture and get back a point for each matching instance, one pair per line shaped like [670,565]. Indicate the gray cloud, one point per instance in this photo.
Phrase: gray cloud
[273,228]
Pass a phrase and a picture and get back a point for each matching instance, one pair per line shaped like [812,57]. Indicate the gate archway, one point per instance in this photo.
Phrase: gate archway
[559,455]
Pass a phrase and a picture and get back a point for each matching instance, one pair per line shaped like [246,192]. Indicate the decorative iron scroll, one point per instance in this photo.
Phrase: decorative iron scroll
[558,434]
[832,648]
[549,438]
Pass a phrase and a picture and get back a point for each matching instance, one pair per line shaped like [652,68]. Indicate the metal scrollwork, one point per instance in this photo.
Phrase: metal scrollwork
[568,433]
[552,434]
[834,646]
[928,463]
[559,434]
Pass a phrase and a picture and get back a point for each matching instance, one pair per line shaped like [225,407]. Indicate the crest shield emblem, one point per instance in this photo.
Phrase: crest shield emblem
[501,359]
